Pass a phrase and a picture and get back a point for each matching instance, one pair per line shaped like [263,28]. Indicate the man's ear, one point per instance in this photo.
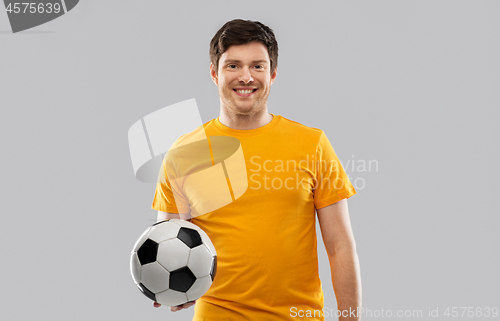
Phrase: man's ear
[274,74]
[213,74]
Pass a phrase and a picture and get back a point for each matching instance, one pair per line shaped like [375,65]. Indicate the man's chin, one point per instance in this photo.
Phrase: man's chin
[245,109]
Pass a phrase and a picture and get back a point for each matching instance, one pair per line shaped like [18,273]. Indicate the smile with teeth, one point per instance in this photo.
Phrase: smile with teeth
[245,91]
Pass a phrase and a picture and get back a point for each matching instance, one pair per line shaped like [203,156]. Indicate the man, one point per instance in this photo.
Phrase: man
[266,238]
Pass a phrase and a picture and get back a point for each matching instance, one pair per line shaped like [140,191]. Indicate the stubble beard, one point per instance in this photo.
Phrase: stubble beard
[234,111]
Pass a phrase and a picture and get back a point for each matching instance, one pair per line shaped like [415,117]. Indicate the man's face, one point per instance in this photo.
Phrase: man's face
[244,78]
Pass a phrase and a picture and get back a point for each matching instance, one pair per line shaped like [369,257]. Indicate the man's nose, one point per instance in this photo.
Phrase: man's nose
[246,76]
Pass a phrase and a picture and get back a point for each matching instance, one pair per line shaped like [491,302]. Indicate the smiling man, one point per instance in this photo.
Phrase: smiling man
[266,238]
[244,74]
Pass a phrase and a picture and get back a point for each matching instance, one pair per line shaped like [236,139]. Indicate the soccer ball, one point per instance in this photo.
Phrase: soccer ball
[173,262]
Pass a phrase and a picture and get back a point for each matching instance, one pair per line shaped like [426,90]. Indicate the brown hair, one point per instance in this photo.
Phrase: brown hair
[239,32]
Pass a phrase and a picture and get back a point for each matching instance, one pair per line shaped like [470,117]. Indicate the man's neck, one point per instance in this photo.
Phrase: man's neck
[245,122]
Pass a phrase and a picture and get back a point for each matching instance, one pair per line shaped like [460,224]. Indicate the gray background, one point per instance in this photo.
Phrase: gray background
[411,84]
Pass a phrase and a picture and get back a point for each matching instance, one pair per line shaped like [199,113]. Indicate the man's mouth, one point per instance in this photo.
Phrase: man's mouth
[245,92]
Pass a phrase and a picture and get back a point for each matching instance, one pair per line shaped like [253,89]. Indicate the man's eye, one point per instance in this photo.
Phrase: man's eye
[259,67]
[231,66]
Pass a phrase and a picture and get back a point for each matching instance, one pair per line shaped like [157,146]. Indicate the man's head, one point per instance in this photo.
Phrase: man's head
[239,32]
[243,65]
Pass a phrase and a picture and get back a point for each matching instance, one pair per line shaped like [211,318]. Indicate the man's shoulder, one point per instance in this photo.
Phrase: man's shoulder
[299,128]
[193,136]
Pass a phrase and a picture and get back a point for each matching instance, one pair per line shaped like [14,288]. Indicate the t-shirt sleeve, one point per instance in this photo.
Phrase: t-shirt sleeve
[332,184]
[169,197]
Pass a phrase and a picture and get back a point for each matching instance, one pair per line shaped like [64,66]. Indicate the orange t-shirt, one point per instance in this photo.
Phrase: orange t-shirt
[267,264]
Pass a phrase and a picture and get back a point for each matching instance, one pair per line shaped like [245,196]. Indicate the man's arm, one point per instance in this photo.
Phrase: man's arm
[339,242]
[162,216]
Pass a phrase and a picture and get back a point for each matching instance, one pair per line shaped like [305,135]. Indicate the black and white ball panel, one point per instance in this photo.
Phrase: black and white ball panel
[147,252]
[155,277]
[162,232]
[135,268]
[146,292]
[208,243]
[171,297]
[174,254]
[197,261]
[213,270]
[204,238]
[182,279]
[199,288]
[190,237]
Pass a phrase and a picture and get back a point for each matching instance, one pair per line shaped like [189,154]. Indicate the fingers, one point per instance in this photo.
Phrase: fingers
[182,306]
[156,304]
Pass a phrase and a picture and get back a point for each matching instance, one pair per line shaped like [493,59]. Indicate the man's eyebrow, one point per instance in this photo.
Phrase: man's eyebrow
[238,61]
